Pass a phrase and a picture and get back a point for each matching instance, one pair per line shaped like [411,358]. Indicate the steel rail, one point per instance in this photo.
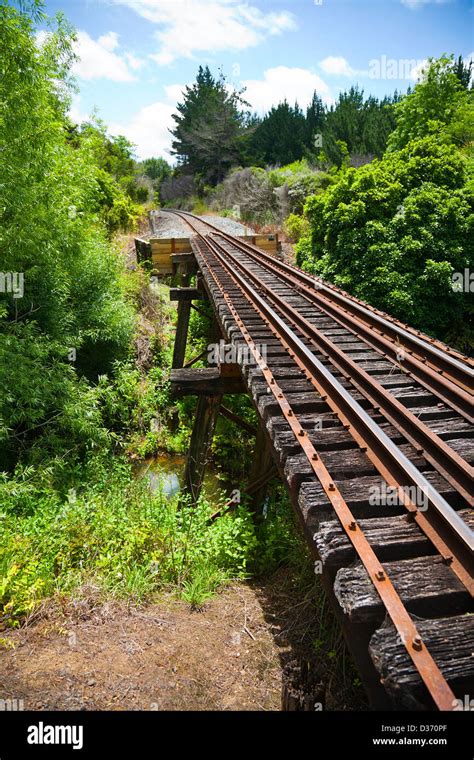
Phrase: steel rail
[443,458]
[426,666]
[451,536]
[455,396]
[456,370]
[378,455]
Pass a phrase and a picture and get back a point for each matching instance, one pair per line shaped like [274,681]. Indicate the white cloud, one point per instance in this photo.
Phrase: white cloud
[41,37]
[149,130]
[75,111]
[174,92]
[109,41]
[282,82]
[413,4]
[134,62]
[195,26]
[337,65]
[98,61]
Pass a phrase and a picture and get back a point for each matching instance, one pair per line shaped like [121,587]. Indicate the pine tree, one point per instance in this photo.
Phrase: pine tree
[209,127]
[280,138]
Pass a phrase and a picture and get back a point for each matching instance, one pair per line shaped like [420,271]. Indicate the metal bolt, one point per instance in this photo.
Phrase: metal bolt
[353,525]
[301,432]
[448,560]
[315,457]
[380,575]
[417,643]
[332,487]
[290,413]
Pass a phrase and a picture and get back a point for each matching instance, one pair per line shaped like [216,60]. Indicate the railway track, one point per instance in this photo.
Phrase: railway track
[370,424]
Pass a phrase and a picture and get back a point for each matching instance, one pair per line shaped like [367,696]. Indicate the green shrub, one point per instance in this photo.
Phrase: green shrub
[296,227]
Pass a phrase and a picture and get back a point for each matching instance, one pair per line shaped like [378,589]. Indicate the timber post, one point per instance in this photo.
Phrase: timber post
[201,439]
[261,472]
[184,297]
[181,336]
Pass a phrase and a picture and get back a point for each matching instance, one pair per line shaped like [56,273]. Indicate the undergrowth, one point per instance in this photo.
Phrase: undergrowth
[129,542]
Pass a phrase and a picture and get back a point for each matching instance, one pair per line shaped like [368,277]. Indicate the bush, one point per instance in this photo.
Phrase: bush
[296,227]
[395,231]
[116,534]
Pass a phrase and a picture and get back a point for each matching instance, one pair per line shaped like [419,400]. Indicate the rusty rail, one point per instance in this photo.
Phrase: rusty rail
[449,534]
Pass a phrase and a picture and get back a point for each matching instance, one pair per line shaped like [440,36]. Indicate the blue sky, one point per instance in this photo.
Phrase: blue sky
[136,55]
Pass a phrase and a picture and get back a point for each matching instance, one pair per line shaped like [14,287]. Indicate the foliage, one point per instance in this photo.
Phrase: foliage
[280,137]
[119,184]
[296,227]
[434,107]
[269,195]
[356,127]
[394,232]
[72,319]
[119,536]
[208,129]
[157,170]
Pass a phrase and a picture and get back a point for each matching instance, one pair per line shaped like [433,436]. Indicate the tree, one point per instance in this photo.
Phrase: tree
[280,138]
[70,319]
[315,122]
[363,126]
[156,168]
[395,231]
[433,105]
[209,128]
[464,72]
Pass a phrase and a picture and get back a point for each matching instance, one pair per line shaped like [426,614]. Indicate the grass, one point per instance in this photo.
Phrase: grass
[129,542]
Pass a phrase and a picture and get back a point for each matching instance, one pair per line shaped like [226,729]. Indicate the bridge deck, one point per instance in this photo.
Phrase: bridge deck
[413,548]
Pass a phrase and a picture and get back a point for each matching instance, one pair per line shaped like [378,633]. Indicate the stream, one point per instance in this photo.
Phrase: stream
[165,472]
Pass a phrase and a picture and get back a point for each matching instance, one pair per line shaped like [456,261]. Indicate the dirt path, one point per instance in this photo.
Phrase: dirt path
[229,656]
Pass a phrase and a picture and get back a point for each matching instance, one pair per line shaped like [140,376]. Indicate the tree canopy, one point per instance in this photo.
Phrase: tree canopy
[393,232]
[210,124]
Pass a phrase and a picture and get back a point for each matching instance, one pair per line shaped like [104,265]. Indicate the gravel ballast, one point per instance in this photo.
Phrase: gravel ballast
[165,225]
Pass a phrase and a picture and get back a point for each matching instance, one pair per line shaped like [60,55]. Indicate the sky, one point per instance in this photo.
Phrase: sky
[136,56]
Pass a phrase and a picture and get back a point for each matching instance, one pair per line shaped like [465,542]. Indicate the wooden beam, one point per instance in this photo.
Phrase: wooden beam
[204,382]
[143,250]
[262,466]
[183,258]
[201,439]
[186,294]
[181,336]
[233,417]
[184,265]
[195,360]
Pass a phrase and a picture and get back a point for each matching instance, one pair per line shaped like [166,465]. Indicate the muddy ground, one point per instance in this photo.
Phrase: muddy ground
[231,655]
